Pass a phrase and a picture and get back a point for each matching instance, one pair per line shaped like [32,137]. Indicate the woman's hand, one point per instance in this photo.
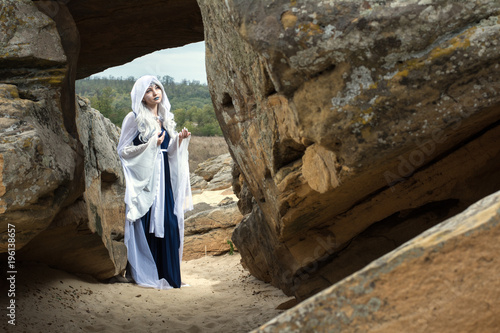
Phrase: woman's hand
[183,134]
[160,138]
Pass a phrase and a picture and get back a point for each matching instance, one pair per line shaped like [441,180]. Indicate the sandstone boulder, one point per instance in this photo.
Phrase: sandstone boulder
[87,236]
[40,162]
[198,184]
[209,228]
[116,32]
[346,115]
[444,280]
[213,174]
[222,179]
[28,38]
[214,165]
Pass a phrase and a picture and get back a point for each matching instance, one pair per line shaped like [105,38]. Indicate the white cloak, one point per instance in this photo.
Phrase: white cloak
[144,173]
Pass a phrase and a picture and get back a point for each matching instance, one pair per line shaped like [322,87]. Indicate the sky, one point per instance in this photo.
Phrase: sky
[186,62]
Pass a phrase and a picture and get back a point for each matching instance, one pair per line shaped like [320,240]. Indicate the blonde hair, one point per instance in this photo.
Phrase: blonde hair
[147,124]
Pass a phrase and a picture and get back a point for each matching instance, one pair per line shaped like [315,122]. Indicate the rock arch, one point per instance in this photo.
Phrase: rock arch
[355,125]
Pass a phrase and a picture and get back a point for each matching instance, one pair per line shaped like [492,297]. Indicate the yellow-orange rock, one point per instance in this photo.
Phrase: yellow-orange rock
[87,236]
[39,159]
[356,125]
[113,33]
[444,280]
[208,231]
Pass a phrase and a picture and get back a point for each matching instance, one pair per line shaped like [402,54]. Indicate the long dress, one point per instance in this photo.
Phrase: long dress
[155,180]
[165,251]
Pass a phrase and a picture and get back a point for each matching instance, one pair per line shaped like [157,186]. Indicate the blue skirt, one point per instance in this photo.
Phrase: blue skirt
[165,250]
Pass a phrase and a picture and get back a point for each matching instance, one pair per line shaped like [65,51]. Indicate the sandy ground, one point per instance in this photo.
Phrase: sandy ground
[213,197]
[222,297]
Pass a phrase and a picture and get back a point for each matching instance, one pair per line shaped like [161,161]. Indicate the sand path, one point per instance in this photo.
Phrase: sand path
[222,297]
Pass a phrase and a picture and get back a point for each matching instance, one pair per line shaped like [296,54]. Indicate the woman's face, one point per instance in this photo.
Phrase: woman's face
[153,96]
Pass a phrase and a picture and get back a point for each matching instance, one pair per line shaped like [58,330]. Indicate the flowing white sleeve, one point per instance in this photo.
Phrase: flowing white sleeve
[178,157]
[140,169]
[132,151]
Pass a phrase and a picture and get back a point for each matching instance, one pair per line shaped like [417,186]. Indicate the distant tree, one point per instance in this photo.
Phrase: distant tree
[191,101]
[103,100]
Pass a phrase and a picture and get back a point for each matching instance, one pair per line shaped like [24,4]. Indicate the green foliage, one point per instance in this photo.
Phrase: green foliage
[231,247]
[191,103]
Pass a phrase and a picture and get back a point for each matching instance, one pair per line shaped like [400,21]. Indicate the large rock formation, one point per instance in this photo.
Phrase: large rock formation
[61,180]
[356,125]
[41,164]
[444,280]
[87,236]
[115,32]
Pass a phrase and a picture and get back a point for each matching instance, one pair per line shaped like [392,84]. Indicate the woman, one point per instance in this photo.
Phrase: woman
[155,164]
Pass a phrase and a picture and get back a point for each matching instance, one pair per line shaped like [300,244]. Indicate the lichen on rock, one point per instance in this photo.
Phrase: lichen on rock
[343,115]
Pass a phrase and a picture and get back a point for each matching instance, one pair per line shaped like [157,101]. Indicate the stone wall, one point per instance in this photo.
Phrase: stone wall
[356,125]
